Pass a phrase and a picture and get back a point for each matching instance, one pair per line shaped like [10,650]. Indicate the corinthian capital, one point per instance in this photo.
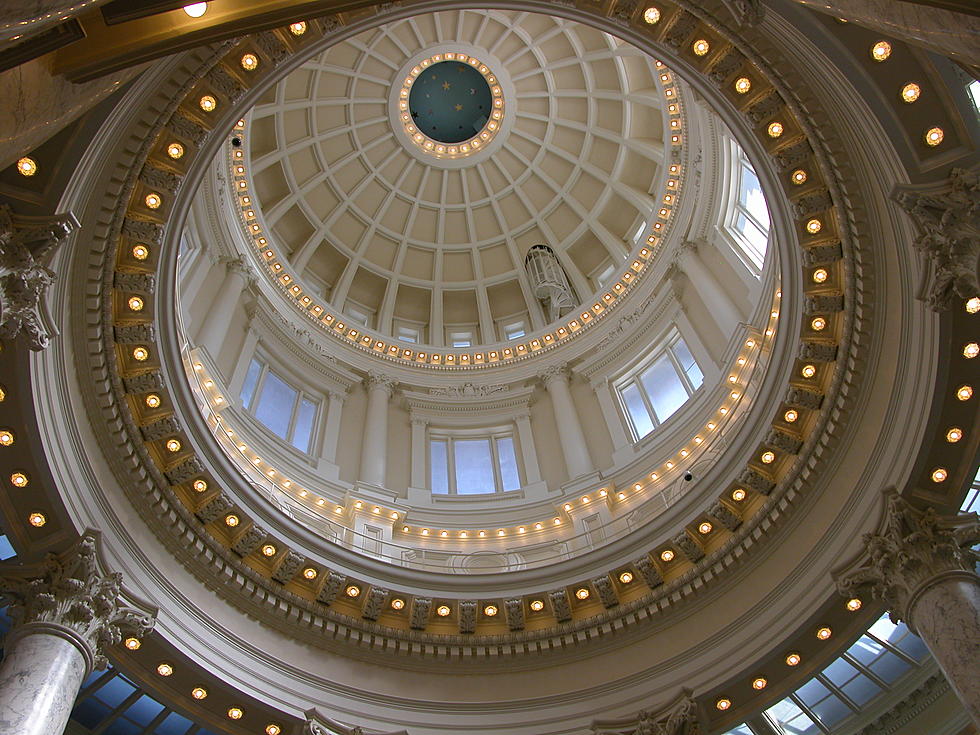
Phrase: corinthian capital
[948,222]
[912,549]
[72,595]
[25,245]
[380,380]
[554,373]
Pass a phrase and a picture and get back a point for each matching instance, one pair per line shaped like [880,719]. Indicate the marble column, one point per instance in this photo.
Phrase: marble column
[525,439]
[66,610]
[419,427]
[715,298]
[374,447]
[573,443]
[922,567]
[331,432]
[218,319]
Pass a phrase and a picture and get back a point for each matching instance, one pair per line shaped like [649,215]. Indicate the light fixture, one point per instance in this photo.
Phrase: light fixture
[173,445]
[793,659]
[814,226]
[775,129]
[626,577]
[973,305]
[759,683]
[705,528]
[790,416]
[397,604]
[743,85]
[964,392]
[910,92]
[298,28]
[196,10]
[37,519]
[768,457]
[175,150]
[153,200]
[443,611]
[939,474]
[738,495]
[667,555]
[273,729]
[798,176]
[701,47]
[208,104]
[820,275]
[881,51]
[18,479]
[6,438]
[135,303]
[231,520]
[27,166]
[723,703]
[352,590]
[854,604]
[808,371]
[490,610]
[165,669]
[268,550]
[133,644]
[971,350]
[200,486]
[824,633]
[140,252]
[651,15]
[235,713]
[250,62]
[582,593]
[140,354]
[537,605]
[309,573]
[934,136]
[199,693]
[818,324]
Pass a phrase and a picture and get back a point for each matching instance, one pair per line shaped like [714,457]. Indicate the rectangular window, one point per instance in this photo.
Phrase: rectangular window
[287,412]
[514,331]
[650,396]
[748,220]
[461,339]
[408,334]
[473,465]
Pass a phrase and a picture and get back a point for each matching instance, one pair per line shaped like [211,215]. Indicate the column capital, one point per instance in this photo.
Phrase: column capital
[680,717]
[73,596]
[553,373]
[948,222]
[380,380]
[239,266]
[913,549]
[420,421]
[25,245]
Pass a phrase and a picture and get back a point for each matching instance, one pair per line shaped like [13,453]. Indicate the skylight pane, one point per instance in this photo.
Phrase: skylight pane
[474,466]
[438,463]
[7,550]
[90,713]
[276,404]
[664,388]
[174,724]
[304,425]
[637,410]
[251,379]
[114,691]
[144,709]
[788,716]
[508,464]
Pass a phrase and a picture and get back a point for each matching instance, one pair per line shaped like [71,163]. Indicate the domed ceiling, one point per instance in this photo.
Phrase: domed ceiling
[424,245]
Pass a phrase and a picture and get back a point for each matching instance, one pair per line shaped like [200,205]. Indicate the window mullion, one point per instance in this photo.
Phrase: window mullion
[646,399]
[498,483]
[451,464]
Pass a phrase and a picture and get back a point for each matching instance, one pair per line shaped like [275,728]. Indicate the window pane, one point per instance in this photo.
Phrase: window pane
[304,425]
[791,718]
[90,713]
[474,466]
[7,550]
[174,725]
[251,378]
[508,464]
[122,726]
[688,363]
[750,196]
[144,709]
[114,691]
[276,403]
[439,467]
[637,410]
[755,239]
[664,388]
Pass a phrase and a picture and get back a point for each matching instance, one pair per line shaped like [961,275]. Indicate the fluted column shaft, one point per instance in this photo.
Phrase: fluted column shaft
[65,611]
[922,567]
[573,444]
[218,319]
[374,447]
[711,292]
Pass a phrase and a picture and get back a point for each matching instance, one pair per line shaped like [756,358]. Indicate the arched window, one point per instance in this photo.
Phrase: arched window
[286,411]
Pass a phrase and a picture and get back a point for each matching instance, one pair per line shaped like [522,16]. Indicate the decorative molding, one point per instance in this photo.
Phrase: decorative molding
[911,549]
[72,591]
[909,707]
[682,717]
[948,222]
[318,724]
[26,243]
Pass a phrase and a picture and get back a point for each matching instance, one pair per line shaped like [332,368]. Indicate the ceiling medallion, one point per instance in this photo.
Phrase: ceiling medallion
[418,113]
